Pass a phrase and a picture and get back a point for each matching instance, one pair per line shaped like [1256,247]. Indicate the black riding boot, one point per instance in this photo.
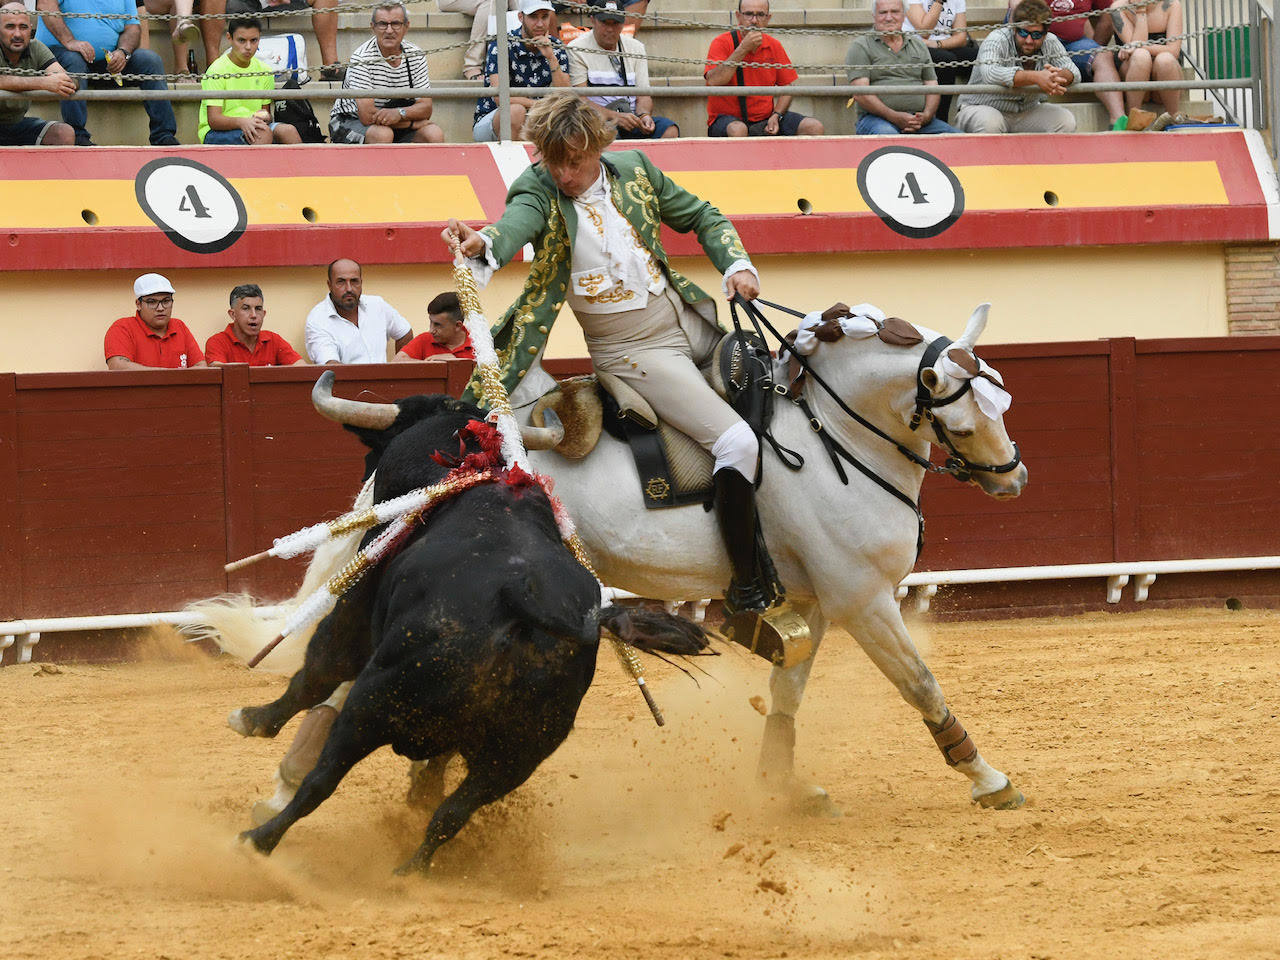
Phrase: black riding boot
[756,614]
[735,499]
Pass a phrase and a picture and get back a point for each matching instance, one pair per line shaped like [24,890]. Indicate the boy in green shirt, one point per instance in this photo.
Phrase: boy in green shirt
[235,122]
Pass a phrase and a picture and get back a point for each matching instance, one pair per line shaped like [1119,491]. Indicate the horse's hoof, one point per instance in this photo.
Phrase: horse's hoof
[805,799]
[1007,797]
[816,802]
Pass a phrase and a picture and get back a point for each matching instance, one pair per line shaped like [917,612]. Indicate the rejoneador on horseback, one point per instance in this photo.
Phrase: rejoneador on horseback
[594,224]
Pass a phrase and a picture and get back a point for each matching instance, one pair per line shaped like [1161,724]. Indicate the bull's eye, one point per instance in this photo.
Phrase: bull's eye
[961,434]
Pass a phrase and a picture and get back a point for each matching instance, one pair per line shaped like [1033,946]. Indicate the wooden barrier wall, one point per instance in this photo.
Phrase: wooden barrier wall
[126,492]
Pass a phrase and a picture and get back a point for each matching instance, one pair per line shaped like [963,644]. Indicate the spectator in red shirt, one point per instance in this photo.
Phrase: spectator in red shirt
[730,64]
[445,337]
[244,340]
[151,337]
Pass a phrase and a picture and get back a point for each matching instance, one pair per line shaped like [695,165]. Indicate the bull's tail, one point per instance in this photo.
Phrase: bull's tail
[654,631]
[232,622]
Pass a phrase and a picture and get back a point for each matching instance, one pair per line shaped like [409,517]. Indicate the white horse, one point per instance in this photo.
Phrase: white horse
[840,549]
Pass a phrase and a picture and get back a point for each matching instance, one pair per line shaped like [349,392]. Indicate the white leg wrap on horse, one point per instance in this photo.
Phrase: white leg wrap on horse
[339,696]
[738,448]
[307,744]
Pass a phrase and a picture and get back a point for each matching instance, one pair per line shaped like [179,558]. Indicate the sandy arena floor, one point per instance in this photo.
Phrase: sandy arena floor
[1146,744]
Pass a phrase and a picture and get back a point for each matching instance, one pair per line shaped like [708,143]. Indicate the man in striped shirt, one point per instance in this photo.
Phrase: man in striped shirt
[1033,64]
[385,61]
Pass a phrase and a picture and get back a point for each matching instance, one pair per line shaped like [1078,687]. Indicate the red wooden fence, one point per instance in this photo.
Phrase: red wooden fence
[127,492]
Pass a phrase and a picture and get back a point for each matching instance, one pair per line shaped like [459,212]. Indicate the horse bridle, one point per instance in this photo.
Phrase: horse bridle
[957,464]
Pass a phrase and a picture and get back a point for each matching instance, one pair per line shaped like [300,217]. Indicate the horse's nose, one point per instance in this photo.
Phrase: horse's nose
[1004,486]
[1017,480]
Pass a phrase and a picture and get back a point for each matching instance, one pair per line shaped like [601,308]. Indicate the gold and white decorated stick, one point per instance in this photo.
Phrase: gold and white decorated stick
[316,535]
[494,394]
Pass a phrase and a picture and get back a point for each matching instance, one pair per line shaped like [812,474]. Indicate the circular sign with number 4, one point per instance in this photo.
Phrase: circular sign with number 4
[915,194]
[195,206]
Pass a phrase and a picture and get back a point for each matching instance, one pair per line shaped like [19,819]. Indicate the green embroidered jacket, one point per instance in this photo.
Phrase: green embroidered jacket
[538,213]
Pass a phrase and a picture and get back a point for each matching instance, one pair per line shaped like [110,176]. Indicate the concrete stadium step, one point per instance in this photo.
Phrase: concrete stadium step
[126,124]
[687,46]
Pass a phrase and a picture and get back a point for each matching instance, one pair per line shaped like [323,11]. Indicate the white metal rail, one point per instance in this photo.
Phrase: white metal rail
[25,634]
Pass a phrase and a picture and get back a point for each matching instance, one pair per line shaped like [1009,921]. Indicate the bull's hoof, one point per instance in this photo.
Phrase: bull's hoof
[247,722]
[1007,797]
[249,839]
[413,867]
[236,721]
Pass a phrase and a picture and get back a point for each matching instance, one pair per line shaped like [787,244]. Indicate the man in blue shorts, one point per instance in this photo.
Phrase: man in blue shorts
[21,53]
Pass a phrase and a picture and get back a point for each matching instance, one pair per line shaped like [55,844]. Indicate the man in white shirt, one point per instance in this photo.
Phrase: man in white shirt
[349,326]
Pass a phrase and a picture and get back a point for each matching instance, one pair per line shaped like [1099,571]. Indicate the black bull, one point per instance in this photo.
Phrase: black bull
[478,637]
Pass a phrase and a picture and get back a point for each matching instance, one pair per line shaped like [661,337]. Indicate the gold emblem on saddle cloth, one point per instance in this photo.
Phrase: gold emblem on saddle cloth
[779,634]
[657,488]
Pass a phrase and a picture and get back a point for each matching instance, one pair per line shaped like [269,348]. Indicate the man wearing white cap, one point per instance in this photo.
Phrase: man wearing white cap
[535,60]
[152,337]
[605,57]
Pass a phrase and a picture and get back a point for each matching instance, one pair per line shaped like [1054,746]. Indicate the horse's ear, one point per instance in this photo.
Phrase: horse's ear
[973,329]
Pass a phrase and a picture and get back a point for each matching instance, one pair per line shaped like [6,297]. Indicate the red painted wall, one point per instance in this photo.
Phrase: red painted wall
[126,492]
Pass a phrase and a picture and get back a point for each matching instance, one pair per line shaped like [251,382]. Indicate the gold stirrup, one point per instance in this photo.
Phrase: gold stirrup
[778,634]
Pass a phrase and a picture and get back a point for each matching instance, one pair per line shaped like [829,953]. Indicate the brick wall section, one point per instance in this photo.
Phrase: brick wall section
[1253,289]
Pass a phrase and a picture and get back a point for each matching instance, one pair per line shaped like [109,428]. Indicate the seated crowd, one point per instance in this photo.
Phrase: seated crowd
[347,326]
[1041,51]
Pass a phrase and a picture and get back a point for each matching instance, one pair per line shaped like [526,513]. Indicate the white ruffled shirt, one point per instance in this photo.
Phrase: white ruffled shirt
[611,270]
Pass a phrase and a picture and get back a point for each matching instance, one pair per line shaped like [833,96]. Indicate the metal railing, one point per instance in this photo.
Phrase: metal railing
[1246,50]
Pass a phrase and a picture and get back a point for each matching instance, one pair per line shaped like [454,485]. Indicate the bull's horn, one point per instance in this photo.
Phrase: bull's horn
[543,438]
[356,413]
[973,330]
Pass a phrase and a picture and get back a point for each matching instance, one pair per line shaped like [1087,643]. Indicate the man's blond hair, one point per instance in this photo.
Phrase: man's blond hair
[560,124]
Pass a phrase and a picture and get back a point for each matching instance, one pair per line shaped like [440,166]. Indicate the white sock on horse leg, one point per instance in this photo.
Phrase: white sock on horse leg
[339,696]
[738,448]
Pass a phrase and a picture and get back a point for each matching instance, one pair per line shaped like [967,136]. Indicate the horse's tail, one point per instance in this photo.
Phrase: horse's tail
[234,622]
[654,631]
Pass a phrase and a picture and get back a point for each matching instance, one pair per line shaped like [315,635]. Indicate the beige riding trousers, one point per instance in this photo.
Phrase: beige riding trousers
[657,350]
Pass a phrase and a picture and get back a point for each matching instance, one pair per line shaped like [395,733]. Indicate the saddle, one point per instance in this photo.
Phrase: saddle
[674,470]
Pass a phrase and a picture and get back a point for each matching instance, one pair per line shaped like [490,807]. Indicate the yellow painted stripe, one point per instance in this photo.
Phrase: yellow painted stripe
[413,199]
[269,201]
[1002,187]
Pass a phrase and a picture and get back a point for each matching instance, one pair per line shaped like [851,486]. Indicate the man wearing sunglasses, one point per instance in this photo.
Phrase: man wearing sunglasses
[152,337]
[1033,65]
